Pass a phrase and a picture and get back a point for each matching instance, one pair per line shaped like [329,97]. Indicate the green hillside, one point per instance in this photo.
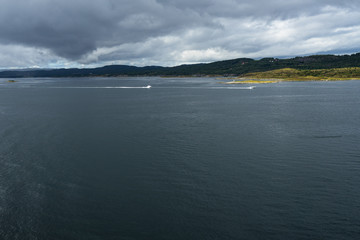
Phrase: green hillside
[312,74]
[234,67]
[291,74]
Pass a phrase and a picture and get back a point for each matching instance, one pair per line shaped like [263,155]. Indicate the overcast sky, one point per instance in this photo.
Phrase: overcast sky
[88,33]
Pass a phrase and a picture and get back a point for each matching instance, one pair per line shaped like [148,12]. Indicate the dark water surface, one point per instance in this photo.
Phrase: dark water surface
[186,159]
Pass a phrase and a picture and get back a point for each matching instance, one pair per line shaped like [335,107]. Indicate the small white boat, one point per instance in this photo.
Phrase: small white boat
[148,86]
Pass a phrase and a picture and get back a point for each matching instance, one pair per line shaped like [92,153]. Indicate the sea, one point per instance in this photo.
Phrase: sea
[188,158]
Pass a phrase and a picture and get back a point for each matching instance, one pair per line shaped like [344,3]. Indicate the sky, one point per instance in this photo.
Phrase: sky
[91,33]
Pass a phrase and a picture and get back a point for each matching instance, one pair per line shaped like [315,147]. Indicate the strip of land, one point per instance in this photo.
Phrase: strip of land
[290,74]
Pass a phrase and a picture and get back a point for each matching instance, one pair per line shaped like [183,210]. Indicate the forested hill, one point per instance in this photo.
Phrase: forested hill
[235,67]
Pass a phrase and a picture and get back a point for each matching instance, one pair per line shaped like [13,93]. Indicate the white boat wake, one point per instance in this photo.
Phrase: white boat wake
[148,86]
[145,87]
[248,88]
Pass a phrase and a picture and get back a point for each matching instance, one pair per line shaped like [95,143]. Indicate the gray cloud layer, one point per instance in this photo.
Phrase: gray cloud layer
[144,32]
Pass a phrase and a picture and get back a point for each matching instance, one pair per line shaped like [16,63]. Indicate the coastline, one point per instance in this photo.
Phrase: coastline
[296,75]
[278,80]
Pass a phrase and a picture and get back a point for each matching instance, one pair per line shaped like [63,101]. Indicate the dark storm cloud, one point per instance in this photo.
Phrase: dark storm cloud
[73,28]
[135,30]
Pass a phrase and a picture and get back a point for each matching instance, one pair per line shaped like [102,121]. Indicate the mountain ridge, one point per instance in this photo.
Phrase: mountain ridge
[231,67]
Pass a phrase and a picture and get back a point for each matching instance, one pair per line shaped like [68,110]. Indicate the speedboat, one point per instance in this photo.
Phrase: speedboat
[148,86]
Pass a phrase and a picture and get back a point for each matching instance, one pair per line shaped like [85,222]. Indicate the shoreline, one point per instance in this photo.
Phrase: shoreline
[279,80]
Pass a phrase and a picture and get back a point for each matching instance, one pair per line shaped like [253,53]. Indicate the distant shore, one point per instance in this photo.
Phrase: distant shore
[265,81]
[315,66]
[295,75]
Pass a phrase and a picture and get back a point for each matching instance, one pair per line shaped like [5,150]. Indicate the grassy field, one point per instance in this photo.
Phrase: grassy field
[290,74]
